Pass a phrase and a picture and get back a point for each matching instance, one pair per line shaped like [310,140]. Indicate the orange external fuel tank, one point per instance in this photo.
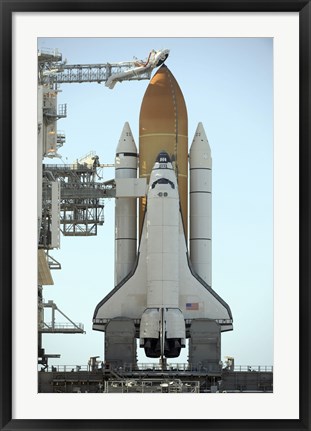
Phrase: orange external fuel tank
[163,125]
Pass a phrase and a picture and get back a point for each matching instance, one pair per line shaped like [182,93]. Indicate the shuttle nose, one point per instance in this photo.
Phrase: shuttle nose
[163,157]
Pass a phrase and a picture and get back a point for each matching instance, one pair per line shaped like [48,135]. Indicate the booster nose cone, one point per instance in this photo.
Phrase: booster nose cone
[126,142]
[163,125]
[200,151]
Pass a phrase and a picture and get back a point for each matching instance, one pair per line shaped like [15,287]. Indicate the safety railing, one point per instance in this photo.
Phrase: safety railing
[65,325]
[100,366]
[253,368]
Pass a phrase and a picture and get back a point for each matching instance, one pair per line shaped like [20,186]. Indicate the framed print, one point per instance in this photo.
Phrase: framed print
[124,187]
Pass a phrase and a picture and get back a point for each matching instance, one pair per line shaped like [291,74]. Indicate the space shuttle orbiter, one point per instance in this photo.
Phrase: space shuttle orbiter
[157,284]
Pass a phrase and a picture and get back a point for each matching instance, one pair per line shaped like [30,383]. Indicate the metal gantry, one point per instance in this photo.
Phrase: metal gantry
[99,73]
[81,197]
[53,70]
[68,327]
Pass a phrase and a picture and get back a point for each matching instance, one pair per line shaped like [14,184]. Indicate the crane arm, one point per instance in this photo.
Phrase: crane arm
[56,72]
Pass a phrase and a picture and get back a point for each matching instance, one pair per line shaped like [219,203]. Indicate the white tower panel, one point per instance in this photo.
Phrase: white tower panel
[55,219]
[39,157]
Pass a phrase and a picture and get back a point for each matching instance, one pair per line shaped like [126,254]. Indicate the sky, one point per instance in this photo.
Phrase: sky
[227,85]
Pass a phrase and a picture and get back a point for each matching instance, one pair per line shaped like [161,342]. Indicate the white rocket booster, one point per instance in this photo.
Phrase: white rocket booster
[125,207]
[201,205]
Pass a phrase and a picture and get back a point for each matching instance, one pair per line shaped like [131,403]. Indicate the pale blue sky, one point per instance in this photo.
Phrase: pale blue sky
[227,85]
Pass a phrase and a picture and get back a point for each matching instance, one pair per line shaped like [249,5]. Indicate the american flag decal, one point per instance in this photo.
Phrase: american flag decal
[192,306]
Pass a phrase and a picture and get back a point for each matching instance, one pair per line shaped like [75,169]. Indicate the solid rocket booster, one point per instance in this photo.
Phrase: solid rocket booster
[160,288]
[163,124]
[200,162]
[125,207]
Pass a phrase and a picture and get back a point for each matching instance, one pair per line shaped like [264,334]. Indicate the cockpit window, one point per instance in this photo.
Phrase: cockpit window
[163,157]
[163,181]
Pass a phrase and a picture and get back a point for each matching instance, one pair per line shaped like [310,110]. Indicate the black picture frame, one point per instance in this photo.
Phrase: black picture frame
[7,8]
